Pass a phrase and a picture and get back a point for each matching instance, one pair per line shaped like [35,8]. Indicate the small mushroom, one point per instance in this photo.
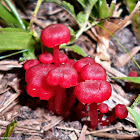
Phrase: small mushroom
[46,58]
[54,35]
[63,76]
[92,92]
[30,63]
[36,81]
[119,111]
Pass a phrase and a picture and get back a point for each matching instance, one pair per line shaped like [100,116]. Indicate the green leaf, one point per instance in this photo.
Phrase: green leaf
[130,79]
[15,13]
[83,3]
[14,39]
[136,117]
[136,102]
[8,17]
[103,9]
[111,9]
[17,39]
[72,33]
[9,129]
[67,6]
[76,49]
[81,18]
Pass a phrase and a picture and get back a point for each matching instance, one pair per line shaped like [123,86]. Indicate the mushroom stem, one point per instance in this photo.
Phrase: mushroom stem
[56,55]
[51,104]
[60,101]
[93,115]
[111,118]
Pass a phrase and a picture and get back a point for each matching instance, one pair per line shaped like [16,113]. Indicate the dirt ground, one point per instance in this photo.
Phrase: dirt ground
[34,121]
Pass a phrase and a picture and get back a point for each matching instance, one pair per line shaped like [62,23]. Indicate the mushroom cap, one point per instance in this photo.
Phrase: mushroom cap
[63,58]
[54,35]
[121,111]
[103,108]
[133,74]
[93,91]
[36,81]
[64,75]
[82,62]
[93,72]
[46,58]
[30,63]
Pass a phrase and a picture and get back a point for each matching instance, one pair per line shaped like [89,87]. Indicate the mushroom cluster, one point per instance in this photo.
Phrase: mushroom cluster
[61,81]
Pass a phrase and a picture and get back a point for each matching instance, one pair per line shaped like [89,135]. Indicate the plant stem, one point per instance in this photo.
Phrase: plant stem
[35,12]
[88,11]
[5,56]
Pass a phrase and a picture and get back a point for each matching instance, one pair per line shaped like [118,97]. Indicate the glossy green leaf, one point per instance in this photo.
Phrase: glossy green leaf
[130,79]
[136,117]
[136,102]
[75,48]
[15,13]
[8,17]
[9,129]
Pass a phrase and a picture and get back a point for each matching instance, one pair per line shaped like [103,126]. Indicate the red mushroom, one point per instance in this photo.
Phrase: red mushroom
[103,108]
[119,111]
[82,62]
[54,35]
[92,92]
[133,74]
[36,82]
[30,63]
[93,72]
[46,58]
[63,76]
[63,58]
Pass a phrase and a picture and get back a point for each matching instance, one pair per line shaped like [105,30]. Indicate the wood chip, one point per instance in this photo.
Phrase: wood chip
[125,58]
[73,136]
[115,136]
[10,101]
[83,133]
[52,124]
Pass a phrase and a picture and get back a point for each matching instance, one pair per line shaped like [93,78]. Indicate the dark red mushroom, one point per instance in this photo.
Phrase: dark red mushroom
[54,35]
[30,63]
[92,92]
